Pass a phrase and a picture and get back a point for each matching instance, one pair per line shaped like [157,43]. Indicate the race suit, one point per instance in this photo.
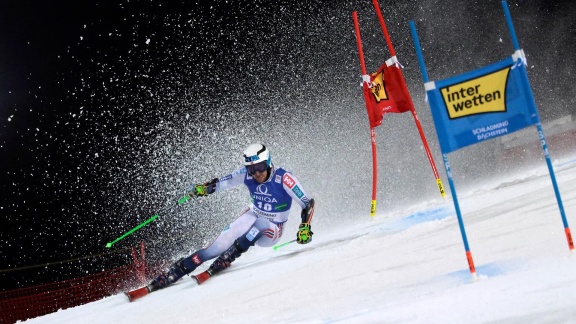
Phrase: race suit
[268,212]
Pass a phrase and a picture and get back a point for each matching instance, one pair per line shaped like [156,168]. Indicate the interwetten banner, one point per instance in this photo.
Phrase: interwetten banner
[482,104]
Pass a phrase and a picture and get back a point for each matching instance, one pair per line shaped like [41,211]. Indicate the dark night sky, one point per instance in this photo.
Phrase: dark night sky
[107,108]
[56,60]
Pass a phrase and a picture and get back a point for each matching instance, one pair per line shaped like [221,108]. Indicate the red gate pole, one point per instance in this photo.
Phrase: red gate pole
[366,91]
[412,109]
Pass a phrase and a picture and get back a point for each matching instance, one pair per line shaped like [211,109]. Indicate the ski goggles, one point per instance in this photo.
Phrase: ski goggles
[258,167]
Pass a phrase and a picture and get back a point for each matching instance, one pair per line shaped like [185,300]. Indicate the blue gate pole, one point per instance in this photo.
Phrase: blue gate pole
[445,159]
[528,90]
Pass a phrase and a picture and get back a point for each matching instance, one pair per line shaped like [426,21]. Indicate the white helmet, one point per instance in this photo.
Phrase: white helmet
[256,153]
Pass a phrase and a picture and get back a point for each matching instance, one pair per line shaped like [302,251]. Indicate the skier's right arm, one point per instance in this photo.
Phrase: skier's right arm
[232,180]
[203,189]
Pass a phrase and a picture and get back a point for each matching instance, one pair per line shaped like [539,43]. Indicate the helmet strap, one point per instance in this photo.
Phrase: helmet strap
[268,173]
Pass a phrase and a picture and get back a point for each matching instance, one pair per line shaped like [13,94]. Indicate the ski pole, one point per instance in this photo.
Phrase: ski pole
[132,230]
[183,199]
[276,247]
[149,220]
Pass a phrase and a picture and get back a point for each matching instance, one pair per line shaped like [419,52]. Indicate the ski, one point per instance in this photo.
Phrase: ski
[201,277]
[141,292]
[137,293]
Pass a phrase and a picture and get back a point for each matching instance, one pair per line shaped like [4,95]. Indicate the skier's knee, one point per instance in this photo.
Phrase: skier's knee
[253,234]
[261,224]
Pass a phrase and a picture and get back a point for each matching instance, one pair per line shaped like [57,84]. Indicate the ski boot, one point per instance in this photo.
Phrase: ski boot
[176,271]
[221,263]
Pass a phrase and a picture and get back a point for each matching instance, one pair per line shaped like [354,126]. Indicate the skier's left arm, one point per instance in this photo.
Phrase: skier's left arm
[295,190]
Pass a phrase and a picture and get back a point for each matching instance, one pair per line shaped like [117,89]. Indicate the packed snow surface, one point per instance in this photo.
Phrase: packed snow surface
[400,267]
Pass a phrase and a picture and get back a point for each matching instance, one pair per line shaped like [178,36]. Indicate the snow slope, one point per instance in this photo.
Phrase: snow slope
[407,267]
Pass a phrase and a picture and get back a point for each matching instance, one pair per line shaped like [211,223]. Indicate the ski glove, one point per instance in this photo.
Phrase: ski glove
[199,190]
[203,189]
[304,235]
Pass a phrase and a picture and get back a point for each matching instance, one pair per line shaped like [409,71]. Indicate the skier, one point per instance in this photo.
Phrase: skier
[272,190]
